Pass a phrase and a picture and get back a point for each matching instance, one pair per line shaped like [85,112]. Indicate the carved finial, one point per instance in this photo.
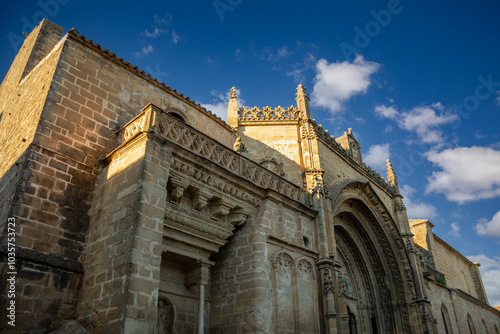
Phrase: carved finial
[350,131]
[391,176]
[232,109]
[303,101]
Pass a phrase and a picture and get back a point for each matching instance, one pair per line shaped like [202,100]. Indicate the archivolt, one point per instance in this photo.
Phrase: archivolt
[363,214]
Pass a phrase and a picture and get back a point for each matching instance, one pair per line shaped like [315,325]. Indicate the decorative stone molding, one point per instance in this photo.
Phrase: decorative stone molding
[220,209]
[201,199]
[237,217]
[153,119]
[328,285]
[268,114]
[266,179]
[199,273]
[136,126]
[198,225]
[179,184]
[311,130]
[213,182]
[274,166]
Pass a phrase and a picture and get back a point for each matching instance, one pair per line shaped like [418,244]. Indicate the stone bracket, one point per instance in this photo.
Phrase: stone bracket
[238,217]
[220,209]
[201,198]
[179,184]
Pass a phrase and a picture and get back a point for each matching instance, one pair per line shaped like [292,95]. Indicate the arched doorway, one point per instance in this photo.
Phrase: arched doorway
[368,244]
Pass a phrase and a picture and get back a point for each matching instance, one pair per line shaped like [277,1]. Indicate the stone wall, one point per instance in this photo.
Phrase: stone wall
[458,309]
[259,280]
[280,143]
[61,104]
[22,98]
[458,270]
[123,253]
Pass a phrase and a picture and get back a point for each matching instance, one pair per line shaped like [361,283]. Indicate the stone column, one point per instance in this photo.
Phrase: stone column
[201,309]
[199,275]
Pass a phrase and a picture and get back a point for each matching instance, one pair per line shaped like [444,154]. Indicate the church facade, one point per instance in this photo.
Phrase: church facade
[136,210]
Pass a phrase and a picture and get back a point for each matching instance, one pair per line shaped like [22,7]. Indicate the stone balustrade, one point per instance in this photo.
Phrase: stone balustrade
[154,119]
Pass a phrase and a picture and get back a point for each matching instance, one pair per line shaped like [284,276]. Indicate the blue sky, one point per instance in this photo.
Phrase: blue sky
[417,81]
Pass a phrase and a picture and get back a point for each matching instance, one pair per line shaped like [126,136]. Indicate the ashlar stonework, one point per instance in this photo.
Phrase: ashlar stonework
[139,211]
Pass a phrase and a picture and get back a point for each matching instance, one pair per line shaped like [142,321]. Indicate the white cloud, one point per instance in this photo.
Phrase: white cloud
[377,155]
[145,51]
[155,34]
[490,271]
[336,83]
[387,112]
[455,231]
[489,228]
[219,103]
[414,207]
[467,173]
[422,120]
[175,37]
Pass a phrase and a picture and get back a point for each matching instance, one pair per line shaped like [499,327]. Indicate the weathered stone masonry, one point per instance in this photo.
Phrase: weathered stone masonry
[138,211]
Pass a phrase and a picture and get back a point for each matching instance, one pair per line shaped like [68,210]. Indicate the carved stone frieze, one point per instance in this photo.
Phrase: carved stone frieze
[274,166]
[214,182]
[199,225]
[153,119]
[133,128]
[269,114]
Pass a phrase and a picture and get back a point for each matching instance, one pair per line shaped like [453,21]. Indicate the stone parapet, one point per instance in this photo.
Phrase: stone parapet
[154,119]
[311,129]
[267,114]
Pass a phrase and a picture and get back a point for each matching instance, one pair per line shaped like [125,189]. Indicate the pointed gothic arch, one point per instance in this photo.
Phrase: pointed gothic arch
[367,235]
[445,317]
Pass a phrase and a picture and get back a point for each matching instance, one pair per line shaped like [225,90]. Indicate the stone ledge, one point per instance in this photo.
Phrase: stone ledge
[51,260]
